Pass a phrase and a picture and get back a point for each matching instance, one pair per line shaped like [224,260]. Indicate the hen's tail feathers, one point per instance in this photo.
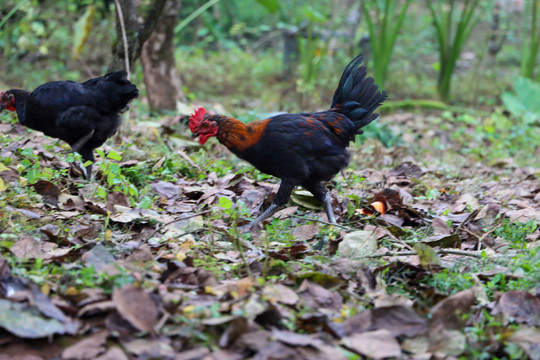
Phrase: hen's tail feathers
[357,96]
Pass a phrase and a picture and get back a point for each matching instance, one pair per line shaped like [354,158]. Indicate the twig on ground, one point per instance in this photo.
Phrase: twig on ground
[324,222]
[440,252]
[188,159]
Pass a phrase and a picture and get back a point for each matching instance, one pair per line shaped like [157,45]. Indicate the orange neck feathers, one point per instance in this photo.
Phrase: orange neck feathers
[237,136]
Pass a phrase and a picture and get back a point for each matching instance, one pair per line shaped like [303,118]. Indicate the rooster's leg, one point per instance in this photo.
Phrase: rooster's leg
[322,194]
[282,197]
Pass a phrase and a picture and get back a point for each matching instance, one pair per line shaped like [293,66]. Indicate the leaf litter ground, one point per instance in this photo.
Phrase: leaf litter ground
[148,260]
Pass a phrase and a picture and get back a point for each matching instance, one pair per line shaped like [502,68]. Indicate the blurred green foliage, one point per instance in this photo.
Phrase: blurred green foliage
[236,52]
[524,101]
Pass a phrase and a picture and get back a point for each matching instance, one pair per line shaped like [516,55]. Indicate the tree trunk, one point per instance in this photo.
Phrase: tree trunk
[163,85]
[136,33]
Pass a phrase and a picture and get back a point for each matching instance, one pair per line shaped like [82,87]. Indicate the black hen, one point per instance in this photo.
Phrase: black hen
[301,149]
[82,114]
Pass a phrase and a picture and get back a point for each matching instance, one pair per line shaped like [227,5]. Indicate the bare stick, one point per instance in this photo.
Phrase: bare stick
[323,222]
[440,252]
[124,37]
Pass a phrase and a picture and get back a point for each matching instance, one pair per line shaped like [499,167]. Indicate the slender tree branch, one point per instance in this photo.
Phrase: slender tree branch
[124,37]
[148,27]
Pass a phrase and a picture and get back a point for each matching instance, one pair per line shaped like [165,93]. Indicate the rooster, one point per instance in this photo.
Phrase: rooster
[82,114]
[304,149]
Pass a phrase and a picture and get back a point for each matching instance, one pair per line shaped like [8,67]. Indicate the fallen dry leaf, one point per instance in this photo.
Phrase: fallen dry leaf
[88,348]
[136,306]
[447,313]
[49,191]
[378,344]
[520,306]
[399,320]
[26,248]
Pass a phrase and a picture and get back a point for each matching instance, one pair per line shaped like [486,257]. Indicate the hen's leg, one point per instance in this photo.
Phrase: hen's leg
[78,126]
[76,147]
[322,194]
[87,154]
[282,197]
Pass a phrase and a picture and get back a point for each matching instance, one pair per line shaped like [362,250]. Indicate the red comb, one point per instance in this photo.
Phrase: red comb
[196,118]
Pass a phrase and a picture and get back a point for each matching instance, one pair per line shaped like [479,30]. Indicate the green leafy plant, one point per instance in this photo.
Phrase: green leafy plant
[532,43]
[451,36]
[384,20]
[523,102]
[113,176]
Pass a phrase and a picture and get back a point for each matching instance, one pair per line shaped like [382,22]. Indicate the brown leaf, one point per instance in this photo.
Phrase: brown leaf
[114,353]
[520,306]
[149,348]
[116,198]
[294,339]
[444,241]
[48,190]
[527,339]
[166,189]
[447,313]
[280,293]
[358,323]
[99,257]
[70,202]
[88,348]
[45,305]
[448,342]
[406,169]
[276,351]
[142,253]
[323,352]
[305,232]
[391,219]
[9,175]
[97,308]
[193,354]
[439,226]
[285,213]
[399,320]
[51,231]
[136,306]
[26,248]
[296,251]
[315,296]
[255,340]
[378,344]
[253,198]
[235,329]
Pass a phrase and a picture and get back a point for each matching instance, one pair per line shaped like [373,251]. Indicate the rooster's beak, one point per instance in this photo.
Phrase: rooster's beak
[195,135]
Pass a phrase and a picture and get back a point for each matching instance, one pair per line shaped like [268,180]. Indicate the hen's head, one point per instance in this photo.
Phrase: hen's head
[7,101]
[202,127]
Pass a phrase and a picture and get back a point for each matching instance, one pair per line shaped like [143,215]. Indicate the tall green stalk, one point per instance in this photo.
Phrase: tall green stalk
[451,41]
[383,31]
[532,44]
